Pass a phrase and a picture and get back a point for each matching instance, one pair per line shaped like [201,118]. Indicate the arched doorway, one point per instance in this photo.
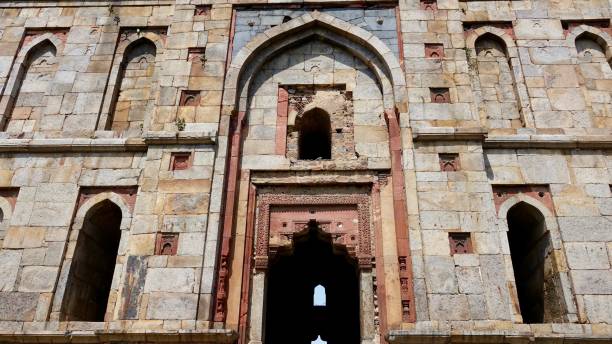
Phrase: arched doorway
[537,282]
[295,275]
[93,264]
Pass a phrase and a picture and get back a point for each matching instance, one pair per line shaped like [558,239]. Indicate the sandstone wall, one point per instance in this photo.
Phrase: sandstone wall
[124,101]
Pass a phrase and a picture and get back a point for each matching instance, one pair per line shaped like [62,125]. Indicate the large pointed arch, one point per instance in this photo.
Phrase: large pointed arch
[363,44]
[245,65]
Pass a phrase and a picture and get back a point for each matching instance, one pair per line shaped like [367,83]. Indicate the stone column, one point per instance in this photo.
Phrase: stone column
[258,296]
[366,306]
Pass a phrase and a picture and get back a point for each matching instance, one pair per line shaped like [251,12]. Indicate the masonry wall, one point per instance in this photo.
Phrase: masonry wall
[86,119]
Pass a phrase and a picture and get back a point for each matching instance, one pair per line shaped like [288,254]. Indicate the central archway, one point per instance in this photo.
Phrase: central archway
[296,271]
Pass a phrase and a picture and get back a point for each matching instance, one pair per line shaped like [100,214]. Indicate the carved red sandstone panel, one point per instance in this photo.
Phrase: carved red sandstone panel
[341,221]
[333,212]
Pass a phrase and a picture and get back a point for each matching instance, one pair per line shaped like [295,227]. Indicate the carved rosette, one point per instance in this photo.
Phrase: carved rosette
[361,248]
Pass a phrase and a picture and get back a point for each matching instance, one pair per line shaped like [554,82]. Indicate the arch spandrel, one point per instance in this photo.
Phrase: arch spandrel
[358,41]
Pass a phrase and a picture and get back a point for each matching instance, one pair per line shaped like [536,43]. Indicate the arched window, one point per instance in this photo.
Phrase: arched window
[93,264]
[314,135]
[133,89]
[34,80]
[319,298]
[532,261]
[496,80]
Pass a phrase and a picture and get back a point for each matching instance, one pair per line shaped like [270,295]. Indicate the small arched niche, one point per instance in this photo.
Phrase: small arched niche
[537,280]
[314,135]
[490,46]
[590,47]
[33,82]
[496,81]
[93,264]
[133,88]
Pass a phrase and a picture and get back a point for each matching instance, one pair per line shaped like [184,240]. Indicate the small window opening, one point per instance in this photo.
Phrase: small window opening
[318,340]
[314,140]
[319,298]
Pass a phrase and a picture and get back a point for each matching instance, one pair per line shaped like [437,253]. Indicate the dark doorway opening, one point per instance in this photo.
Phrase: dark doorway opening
[537,283]
[291,314]
[93,264]
[314,140]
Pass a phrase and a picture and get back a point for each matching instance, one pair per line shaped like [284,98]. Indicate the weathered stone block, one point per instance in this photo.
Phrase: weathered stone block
[18,306]
[596,282]
[9,266]
[449,307]
[440,272]
[179,280]
[172,306]
[38,279]
[585,228]
[585,255]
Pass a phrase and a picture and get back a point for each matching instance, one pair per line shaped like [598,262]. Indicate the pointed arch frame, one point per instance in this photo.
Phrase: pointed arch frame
[512,54]
[74,231]
[550,222]
[19,69]
[127,42]
[602,37]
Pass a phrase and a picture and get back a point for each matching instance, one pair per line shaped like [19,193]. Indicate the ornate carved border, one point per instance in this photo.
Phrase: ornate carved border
[262,240]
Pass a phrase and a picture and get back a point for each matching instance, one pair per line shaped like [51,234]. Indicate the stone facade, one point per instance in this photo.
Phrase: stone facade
[160,159]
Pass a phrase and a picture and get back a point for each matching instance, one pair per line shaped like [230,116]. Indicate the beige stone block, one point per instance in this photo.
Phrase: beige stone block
[141,244]
[38,279]
[184,186]
[538,29]
[24,237]
[435,243]
[560,76]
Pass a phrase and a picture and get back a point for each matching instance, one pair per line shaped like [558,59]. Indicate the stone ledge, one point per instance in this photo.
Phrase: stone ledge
[509,337]
[448,134]
[105,144]
[550,141]
[181,336]
[179,137]
[72,145]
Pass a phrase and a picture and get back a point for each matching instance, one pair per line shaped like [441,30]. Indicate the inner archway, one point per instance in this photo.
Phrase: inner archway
[93,264]
[531,252]
[291,314]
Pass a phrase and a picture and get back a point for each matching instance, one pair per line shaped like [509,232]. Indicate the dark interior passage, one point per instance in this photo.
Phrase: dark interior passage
[530,248]
[291,316]
[314,141]
[93,264]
